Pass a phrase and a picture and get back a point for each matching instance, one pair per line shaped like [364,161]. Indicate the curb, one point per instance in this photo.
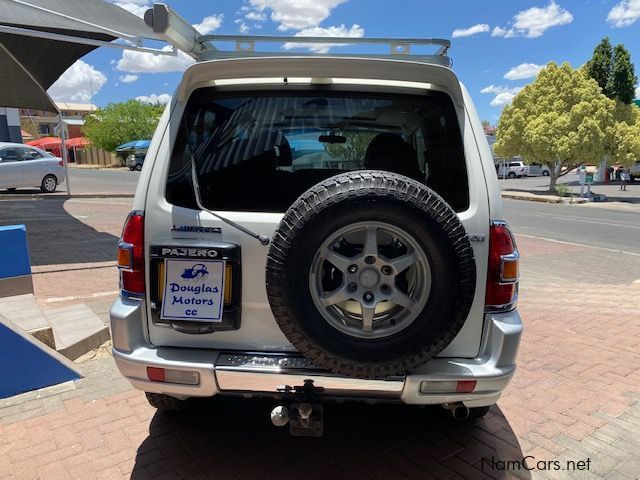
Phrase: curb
[542,198]
[54,196]
[531,198]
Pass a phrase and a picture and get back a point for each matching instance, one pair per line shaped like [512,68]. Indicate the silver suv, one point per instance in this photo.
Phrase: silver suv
[314,228]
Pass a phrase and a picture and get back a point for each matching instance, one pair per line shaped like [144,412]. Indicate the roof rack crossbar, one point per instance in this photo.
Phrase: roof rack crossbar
[326,40]
[245,46]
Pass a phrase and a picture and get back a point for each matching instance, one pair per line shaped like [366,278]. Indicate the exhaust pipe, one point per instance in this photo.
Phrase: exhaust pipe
[459,411]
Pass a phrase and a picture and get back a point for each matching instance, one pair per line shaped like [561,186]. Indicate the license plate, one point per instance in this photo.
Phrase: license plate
[193,290]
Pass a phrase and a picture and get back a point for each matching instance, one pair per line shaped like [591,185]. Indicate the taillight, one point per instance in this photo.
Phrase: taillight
[61,163]
[131,256]
[502,276]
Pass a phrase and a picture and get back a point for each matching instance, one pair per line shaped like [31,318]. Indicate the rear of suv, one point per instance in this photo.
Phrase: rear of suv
[318,228]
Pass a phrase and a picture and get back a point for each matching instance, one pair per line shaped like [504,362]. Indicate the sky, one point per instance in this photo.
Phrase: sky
[498,46]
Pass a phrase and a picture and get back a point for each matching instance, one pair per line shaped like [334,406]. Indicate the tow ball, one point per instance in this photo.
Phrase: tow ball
[304,419]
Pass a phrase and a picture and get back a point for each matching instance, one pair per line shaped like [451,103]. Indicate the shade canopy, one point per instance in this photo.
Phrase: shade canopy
[45,142]
[134,145]
[29,64]
[78,142]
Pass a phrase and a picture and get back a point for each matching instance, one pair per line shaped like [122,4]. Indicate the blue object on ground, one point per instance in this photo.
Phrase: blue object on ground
[26,364]
[14,252]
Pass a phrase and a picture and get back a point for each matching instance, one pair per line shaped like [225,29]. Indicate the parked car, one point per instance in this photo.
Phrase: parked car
[634,170]
[135,160]
[385,272]
[511,169]
[537,169]
[25,166]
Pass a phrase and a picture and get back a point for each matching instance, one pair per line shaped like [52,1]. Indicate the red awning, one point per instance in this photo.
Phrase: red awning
[78,142]
[45,142]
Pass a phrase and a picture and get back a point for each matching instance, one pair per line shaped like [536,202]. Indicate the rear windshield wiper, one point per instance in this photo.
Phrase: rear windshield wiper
[263,239]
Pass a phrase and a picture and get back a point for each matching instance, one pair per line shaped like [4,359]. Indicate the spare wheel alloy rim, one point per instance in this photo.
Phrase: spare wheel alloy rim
[370,280]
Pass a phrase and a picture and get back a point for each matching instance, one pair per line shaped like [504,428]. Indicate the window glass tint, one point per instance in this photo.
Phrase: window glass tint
[8,155]
[28,154]
[260,151]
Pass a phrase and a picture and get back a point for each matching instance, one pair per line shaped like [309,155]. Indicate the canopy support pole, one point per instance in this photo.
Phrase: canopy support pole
[65,153]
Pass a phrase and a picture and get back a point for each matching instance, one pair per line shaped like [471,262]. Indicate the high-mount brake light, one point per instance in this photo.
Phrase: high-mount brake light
[503,271]
[131,256]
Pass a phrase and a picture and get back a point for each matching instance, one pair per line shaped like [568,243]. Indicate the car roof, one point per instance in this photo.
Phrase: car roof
[12,144]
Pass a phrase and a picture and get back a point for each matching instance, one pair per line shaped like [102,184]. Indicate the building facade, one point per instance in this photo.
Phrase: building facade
[10,125]
[46,124]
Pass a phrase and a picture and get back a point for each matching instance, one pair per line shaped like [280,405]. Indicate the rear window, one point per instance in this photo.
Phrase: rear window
[259,151]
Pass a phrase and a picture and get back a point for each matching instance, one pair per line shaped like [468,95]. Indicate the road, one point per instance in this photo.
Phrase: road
[599,227]
[105,180]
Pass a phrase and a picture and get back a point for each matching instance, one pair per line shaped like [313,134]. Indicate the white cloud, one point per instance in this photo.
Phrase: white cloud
[340,31]
[141,62]
[209,24]
[163,98]
[137,7]
[624,13]
[524,70]
[292,14]
[78,83]
[638,92]
[467,32]
[128,78]
[256,16]
[533,22]
[501,32]
[503,95]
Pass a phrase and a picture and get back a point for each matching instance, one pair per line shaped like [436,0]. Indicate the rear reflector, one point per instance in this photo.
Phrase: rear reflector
[463,386]
[155,374]
[466,386]
[164,375]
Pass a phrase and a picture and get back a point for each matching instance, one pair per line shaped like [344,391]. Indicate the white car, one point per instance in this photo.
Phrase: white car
[25,166]
[385,272]
[511,169]
[537,169]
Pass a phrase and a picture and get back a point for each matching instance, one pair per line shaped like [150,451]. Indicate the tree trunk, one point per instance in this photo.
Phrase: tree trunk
[554,174]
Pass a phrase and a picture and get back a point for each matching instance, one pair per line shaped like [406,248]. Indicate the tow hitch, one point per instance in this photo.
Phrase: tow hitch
[305,419]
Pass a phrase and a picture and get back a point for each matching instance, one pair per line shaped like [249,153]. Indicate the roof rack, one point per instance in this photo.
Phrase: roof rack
[172,28]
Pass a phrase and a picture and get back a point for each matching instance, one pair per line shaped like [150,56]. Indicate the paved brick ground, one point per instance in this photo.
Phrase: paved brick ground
[575,398]
[72,245]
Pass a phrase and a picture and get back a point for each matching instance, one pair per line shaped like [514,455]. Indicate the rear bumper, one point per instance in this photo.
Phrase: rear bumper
[244,373]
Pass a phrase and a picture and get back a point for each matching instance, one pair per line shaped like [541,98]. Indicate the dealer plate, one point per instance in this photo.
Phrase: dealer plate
[193,290]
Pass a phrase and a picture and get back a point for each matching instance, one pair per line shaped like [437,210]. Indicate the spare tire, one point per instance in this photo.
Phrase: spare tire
[370,274]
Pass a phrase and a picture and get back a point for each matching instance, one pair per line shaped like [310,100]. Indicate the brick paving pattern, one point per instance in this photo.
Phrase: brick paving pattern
[575,398]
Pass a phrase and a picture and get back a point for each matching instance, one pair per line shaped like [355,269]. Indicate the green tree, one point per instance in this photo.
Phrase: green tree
[561,120]
[600,67]
[623,77]
[355,147]
[613,70]
[118,123]
[486,123]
